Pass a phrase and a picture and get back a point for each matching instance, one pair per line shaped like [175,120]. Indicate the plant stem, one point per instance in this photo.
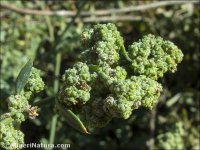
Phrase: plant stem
[56,82]
[56,85]
[57,71]
[53,129]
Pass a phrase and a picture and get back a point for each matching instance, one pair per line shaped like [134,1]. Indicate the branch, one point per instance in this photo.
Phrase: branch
[112,18]
[97,12]
[37,12]
[138,7]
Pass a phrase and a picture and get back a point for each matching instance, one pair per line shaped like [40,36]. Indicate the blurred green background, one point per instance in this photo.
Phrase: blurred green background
[46,30]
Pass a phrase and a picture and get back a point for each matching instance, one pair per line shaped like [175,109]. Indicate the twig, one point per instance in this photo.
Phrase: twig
[37,12]
[100,19]
[97,12]
[112,18]
[146,6]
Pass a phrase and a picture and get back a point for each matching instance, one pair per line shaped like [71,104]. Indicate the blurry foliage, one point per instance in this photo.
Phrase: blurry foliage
[33,36]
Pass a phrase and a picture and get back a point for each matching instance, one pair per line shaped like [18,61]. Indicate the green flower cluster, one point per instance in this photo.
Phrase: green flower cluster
[17,104]
[110,82]
[76,90]
[131,93]
[34,83]
[153,56]
[173,139]
[102,44]
[18,107]
[10,137]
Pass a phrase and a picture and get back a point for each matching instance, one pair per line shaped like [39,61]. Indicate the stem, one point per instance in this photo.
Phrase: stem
[56,82]
[57,70]
[59,39]
[50,28]
[56,85]
[53,129]
[81,5]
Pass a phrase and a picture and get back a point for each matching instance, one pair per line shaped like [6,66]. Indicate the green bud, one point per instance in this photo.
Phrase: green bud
[34,83]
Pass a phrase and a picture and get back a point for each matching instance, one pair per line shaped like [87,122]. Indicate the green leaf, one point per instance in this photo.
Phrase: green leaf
[73,120]
[23,76]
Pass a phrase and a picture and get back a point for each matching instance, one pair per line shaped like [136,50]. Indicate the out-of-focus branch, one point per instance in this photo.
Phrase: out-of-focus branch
[37,12]
[96,13]
[88,20]
[140,7]
[112,18]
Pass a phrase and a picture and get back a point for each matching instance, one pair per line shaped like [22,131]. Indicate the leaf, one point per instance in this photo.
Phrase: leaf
[73,120]
[173,100]
[23,76]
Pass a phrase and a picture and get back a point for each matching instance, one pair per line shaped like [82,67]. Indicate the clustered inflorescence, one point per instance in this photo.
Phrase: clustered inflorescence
[172,139]
[18,107]
[109,81]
